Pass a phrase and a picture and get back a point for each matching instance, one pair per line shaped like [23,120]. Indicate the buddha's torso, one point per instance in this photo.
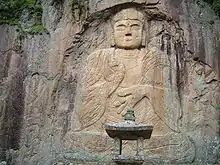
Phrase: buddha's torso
[132,61]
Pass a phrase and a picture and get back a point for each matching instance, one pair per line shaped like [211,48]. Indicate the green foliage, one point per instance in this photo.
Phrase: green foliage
[215,4]
[29,2]
[24,30]
[217,107]
[38,29]
[12,9]
[9,22]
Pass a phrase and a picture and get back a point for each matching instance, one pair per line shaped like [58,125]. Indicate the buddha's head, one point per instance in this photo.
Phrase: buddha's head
[128,29]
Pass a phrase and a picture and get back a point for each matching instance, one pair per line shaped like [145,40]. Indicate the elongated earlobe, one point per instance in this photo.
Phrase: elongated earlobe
[143,43]
[112,40]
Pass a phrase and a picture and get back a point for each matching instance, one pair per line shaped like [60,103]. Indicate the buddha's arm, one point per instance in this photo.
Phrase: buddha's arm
[102,77]
[136,93]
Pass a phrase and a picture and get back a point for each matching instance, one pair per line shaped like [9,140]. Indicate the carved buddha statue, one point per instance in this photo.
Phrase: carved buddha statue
[130,74]
[124,76]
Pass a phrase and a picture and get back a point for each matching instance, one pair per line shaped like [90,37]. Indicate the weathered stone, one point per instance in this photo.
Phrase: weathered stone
[128,131]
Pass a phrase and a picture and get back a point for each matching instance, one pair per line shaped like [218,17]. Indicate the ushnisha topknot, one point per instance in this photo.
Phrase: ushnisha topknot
[130,13]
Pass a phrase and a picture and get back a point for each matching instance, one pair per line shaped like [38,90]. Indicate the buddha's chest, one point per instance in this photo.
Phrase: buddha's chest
[132,70]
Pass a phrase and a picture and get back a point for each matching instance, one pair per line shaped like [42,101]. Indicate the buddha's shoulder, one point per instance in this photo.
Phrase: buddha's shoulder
[156,52]
[101,54]
[103,51]
[156,56]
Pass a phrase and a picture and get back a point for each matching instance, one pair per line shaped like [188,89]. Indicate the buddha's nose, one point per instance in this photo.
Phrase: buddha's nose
[128,34]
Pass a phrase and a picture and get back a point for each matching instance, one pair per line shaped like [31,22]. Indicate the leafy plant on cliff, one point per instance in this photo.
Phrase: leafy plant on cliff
[38,29]
[11,12]
[12,9]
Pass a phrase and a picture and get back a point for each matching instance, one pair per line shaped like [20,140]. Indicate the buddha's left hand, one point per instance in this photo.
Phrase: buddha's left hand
[134,94]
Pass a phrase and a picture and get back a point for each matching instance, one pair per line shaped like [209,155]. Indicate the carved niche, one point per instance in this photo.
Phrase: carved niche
[127,75]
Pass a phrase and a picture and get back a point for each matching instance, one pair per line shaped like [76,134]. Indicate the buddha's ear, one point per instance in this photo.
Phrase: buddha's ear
[111,32]
[143,43]
[112,40]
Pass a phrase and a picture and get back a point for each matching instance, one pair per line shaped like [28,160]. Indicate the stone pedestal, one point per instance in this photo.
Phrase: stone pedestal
[128,130]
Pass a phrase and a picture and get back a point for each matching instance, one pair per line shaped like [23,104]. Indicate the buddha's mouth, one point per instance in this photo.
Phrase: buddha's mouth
[128,38]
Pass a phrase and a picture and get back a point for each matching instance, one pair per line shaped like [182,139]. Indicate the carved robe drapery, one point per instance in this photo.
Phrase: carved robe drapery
[114,81]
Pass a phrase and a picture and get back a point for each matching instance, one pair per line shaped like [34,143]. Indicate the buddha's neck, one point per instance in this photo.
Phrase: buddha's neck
[127,52]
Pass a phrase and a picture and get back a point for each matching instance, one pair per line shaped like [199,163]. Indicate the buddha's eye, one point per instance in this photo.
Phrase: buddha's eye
[120,27]
[135,27]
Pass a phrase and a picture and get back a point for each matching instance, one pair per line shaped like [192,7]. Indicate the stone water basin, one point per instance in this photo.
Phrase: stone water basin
[128,130]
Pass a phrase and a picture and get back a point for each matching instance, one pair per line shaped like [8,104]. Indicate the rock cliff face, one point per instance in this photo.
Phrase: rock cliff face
[42,87]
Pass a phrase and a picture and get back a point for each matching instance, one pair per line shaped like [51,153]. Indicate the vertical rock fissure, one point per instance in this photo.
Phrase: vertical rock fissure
[180,68]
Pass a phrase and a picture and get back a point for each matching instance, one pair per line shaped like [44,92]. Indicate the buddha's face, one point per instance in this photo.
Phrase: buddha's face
[128,34]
